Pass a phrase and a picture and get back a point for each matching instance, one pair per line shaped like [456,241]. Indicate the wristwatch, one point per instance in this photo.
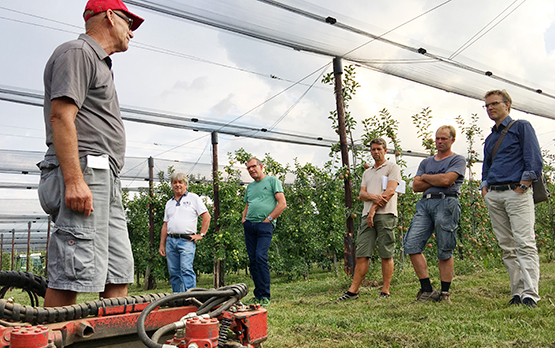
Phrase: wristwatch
[202,235]
[270,218]
[523,187]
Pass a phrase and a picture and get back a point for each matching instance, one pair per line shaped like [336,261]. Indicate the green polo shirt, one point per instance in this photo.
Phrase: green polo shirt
[261,197]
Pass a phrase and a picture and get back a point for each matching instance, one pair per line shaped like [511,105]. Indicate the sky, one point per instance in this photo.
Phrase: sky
[184,68]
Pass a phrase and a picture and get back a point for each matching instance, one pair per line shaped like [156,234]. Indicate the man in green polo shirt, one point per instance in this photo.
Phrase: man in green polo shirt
[265,202]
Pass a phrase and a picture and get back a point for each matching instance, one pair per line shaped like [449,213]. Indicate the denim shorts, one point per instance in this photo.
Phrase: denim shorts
[383,233]
[439,216]
[85,253]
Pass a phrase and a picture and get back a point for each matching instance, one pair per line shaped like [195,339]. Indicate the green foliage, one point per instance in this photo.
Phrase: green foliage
[472,134]
[423,122]
[349,86]
[387,127]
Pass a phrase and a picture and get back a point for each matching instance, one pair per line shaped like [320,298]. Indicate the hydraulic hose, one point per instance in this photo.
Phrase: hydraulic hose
[228,294]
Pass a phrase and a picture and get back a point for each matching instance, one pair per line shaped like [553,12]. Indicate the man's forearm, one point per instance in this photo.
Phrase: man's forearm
[205,222]
[280,207]
[419,185]
[440,180]
[78,195]
[64,137]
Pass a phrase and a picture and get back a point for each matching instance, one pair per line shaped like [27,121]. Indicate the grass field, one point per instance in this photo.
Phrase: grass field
[305,313]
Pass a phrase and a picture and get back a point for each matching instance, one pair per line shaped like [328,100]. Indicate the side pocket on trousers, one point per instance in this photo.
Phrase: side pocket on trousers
[78,255]
[49,188]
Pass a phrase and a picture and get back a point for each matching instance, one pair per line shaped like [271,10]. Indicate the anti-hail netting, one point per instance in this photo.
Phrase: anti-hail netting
[305,26]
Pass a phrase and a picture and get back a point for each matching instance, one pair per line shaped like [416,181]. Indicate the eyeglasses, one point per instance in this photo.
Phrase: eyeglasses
[493,104]
[127,19]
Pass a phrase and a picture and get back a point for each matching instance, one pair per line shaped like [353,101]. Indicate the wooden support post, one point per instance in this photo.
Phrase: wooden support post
[348,239]
[150,280]
[219,264]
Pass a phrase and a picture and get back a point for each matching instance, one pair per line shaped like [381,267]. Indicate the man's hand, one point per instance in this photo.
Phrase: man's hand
[196,237]
[484,191]
[79,197]
[521,191]
[162,250]
[380,200]
[370,218]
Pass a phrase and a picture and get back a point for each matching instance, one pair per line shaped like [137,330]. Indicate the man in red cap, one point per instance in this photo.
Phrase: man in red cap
[80,188]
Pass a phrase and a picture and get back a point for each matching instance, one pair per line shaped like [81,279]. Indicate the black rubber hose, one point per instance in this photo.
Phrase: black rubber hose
[224,307]
[236,292]
[24,280]
[41,315]
[162,331]
[211,303]
[141,331]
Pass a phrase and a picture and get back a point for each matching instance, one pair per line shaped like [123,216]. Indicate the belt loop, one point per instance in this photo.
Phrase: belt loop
[442,195]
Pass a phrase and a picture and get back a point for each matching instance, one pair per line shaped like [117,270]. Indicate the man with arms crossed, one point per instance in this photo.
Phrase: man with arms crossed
[179,233]
[506,180]
[90,249]
[265,202]
[379,219]
[440,178]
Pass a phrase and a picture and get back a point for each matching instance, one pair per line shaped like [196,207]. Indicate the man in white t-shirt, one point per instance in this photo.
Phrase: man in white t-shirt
[179,233]
[379,219]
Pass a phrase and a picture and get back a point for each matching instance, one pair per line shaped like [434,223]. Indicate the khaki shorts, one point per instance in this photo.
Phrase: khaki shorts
[382,234]
[85,253]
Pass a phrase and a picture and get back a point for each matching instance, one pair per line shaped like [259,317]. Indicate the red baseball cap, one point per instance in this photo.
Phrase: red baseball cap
[98,6]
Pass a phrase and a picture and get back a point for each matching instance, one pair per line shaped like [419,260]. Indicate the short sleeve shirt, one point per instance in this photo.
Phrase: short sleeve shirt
[261,198]
[372,180]
[454,163]
[81,70]
[183,218]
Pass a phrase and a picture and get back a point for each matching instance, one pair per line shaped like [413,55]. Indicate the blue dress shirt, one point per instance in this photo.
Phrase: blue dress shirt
[518,158]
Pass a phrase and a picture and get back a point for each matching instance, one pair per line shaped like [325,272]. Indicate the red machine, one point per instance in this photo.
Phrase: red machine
[198,318]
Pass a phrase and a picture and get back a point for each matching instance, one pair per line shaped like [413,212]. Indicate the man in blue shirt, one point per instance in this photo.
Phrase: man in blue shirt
[506,181]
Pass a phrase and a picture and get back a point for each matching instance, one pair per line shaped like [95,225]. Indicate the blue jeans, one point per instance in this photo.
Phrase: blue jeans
[258,236]
[180,254]
[439,216]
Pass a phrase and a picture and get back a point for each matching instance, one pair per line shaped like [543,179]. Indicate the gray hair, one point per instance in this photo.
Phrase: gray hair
[178,176]
[255,159]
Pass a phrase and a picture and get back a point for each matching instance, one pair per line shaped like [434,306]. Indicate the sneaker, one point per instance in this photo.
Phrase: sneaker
[528,301]
[427,296]
[515,300]
[346,296]
[253,300]
[444,296]
[384,295]
[264,302]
